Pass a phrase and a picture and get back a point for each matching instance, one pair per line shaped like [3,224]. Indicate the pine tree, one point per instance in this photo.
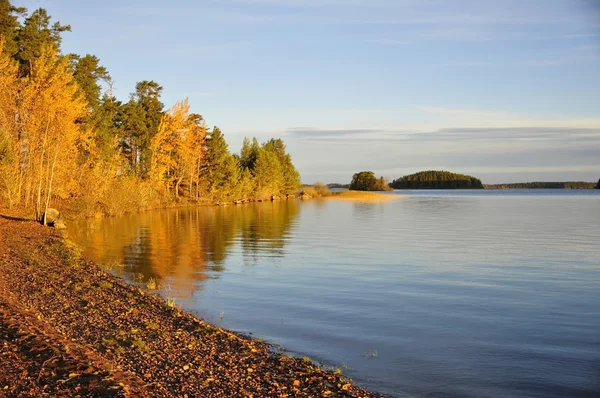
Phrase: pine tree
[217,164]
[290,178]
[9,25]
[142,116]
[35,35]
[88,73]
[268,176]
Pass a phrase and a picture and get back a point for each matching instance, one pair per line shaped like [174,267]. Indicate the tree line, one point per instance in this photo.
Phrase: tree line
[64,136]
[435,179]
[544,185]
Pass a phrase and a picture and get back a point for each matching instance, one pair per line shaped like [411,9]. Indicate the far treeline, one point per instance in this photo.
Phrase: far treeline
[65,138]
[545,185]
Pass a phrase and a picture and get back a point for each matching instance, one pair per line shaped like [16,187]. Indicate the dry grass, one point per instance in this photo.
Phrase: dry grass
[361,196]
[318,190]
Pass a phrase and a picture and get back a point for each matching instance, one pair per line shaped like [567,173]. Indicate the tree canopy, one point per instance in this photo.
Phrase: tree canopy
[366,181]
[434,179]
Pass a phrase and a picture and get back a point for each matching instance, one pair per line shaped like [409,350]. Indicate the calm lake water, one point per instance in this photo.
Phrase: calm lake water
[443,293]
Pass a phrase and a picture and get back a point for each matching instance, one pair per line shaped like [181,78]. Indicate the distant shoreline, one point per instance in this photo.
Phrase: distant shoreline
[514,185]
[543,185]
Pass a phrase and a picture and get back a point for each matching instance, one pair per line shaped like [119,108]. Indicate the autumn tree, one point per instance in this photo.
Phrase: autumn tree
[61,136]
[177,147]
[49,109]
[11,178]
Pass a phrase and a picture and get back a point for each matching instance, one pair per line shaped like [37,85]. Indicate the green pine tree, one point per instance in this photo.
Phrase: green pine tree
[9,25]
[37,33]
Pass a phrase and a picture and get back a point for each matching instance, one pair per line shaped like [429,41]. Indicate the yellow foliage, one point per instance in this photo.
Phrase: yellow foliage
[177,148]
[49,109]
[10,85]
[38,130]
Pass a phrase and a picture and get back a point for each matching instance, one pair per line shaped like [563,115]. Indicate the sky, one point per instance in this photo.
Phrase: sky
[507,91]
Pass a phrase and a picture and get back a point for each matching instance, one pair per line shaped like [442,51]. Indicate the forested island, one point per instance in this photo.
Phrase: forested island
[366,181]
[434,179]
[544,185]
[65,137]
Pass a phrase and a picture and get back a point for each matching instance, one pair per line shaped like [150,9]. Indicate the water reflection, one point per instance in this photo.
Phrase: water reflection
[180,248]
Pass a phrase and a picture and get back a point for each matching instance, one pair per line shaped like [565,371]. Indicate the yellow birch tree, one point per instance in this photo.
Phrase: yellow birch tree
[10,173]
[49,110]
[177,148]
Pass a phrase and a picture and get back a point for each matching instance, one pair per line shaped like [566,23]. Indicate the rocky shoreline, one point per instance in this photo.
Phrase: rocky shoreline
[68,328]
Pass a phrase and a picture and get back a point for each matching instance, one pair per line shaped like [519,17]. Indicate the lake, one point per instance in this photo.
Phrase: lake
[440,293]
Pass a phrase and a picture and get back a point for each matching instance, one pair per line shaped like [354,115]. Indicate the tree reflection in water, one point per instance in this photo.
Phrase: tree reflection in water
[179,248]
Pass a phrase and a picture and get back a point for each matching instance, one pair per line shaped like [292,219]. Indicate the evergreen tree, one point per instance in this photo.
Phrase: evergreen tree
[216,162]
[35,34]
[268,176]
[141,118]
[88,73]
[9,25]
[598,185]
[290,178]
[249,153]
[246,160]
[106,121]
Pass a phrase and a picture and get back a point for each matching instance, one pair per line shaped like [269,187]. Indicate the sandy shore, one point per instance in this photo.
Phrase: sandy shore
[68,328]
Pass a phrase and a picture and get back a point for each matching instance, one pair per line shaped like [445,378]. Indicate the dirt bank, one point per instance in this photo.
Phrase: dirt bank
[67,328]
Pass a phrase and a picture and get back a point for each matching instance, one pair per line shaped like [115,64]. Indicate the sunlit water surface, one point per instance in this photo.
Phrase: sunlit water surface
[443,293]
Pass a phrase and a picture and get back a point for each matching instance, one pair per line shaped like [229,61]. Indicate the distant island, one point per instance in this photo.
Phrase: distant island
[436,179]
[335,185]
[598,185]
[545,185]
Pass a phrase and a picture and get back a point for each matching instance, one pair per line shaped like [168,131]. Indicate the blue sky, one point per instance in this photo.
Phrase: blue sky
[507,90]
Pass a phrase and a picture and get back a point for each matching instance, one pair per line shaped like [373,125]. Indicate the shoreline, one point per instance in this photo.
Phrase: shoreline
[70,328]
